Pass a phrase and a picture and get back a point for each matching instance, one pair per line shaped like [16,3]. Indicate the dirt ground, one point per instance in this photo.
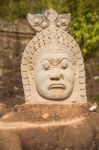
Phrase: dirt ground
[41,112]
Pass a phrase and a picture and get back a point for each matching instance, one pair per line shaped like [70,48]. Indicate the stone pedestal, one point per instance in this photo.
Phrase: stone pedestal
[50,127]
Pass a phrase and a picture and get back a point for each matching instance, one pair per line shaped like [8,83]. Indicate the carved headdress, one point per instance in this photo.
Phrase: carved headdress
[51,32]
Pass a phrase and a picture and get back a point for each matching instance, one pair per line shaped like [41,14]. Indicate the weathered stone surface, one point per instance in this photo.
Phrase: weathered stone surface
[47,127]
[12,45]
[13,40]
[19,26]
[52,64]
[3,109]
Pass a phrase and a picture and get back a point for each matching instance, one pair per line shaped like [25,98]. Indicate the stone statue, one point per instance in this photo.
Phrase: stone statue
[52,73]
[52,65]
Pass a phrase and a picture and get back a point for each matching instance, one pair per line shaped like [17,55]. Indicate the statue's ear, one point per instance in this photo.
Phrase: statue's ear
[30,67]
[30,72]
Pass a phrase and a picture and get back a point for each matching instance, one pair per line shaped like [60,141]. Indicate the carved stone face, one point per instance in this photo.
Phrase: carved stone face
[54,76]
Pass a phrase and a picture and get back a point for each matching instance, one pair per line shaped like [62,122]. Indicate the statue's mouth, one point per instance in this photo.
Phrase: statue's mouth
[55,86]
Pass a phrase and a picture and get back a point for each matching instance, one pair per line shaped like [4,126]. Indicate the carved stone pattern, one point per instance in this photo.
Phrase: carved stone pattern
[43,38]
[43,21]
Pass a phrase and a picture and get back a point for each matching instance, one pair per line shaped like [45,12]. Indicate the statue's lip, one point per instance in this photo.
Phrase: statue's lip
[52,86]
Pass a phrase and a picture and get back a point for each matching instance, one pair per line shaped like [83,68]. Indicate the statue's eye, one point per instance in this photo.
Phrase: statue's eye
[64,64]
[46,65]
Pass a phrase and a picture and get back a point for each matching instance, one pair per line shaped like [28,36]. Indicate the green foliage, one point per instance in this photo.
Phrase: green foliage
[85,18]
[86,31]
[96,98]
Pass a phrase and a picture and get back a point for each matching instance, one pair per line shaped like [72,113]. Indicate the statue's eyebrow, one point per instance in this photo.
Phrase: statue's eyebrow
[46,59]
[63,59]
[51,62]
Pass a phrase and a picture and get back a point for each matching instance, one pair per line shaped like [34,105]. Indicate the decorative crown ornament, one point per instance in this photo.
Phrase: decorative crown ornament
[50,18]
[51,37]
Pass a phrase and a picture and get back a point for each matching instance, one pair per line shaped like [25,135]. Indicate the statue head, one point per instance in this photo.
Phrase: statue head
[54,74]
[52,65]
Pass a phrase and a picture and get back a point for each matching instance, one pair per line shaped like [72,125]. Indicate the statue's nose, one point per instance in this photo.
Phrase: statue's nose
[55,74]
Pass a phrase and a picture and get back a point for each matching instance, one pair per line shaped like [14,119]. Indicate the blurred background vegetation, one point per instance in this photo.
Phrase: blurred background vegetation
[84,24]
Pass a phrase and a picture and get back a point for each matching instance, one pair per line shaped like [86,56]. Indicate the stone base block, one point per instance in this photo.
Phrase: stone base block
[50,127]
